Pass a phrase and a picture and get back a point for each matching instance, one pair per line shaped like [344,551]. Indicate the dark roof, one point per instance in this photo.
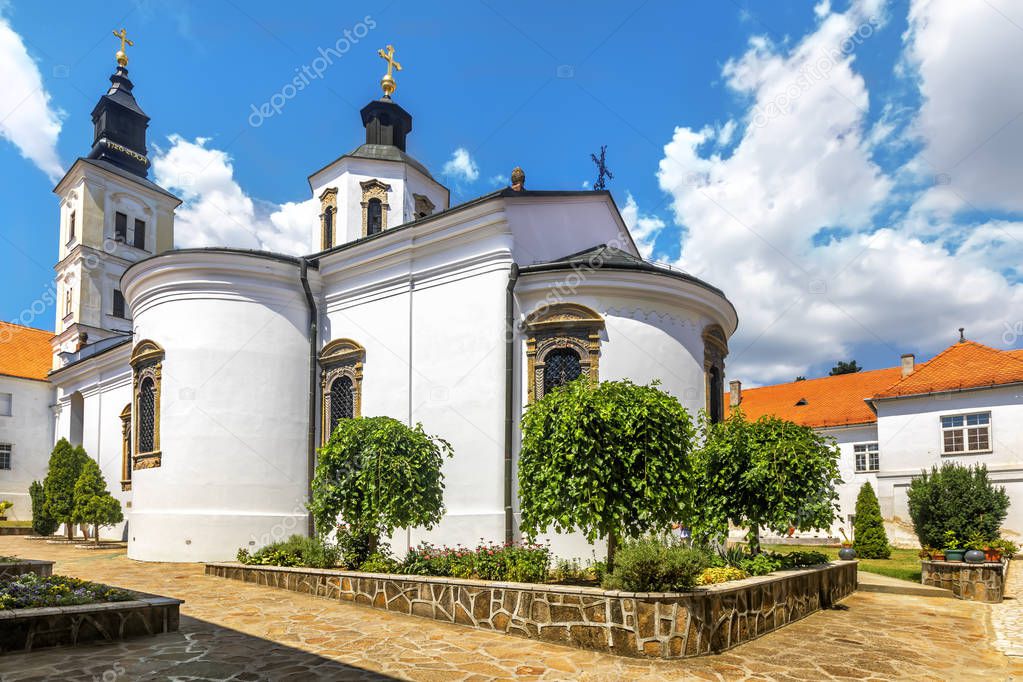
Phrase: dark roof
[606,257]
[379,152]
[117,170]
[94,349]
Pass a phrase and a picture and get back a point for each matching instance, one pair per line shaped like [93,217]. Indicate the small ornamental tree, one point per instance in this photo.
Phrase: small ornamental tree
[377,474]
[42,523]
[769,473]
[65,467]
[93,503]
[611,460]
[869,538]
[957,499]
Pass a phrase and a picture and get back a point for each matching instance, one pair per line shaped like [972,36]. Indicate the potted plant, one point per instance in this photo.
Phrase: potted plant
[4,506]
[953,550]
[1002,548]
[928,553]
[847,553]
[975,549]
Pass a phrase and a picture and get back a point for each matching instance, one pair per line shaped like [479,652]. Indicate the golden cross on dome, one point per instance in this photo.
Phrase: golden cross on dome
[387,82]
[122,56]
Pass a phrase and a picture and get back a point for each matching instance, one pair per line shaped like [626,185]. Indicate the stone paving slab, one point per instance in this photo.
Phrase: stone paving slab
[235,631]
[1007,617]
[874,582]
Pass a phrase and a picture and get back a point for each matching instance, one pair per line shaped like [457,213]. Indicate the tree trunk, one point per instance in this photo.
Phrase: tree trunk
[95,532]
[69,527]
[754,540]
[612,546]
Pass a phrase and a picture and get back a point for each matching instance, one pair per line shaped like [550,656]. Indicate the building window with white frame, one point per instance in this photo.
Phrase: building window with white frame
[963,434]
[5,456]
[6,404]
[867,457]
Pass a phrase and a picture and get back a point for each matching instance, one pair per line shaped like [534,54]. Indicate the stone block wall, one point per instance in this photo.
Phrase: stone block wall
[659,625]
[9,570]
[972,582]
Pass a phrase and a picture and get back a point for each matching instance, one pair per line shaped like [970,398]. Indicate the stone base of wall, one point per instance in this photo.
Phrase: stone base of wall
[15,530]
[9,570]
[659,625]
[30,629]
[972,582]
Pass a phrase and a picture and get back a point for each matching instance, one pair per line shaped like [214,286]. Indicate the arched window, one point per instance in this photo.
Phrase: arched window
[126,447]
[562,344]
[716,405]
[562,366]
[374,216]
[715,349]
[328,217]
[341,383]
[147,367]
[328,227]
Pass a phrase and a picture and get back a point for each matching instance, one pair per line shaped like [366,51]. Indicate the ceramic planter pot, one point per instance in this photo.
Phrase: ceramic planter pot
[954,554]
[992,555]
[938,556]
[974,556]
[847,554]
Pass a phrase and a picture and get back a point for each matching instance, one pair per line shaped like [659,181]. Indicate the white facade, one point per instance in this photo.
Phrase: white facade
[26,433]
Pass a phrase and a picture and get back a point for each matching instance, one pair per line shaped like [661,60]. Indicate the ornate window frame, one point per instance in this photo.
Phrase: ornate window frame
[146,363]
[340,358]
[374,189]
[563,325]
[423,205]
[715,350]
[328,200]
[126,449]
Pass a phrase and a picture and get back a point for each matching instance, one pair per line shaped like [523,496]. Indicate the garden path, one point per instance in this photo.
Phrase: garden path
[1007,617]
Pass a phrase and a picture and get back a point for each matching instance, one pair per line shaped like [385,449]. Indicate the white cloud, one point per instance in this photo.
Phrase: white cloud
[807,165]
[27,118]
[217,212]
[461,166]
[644,228]
[499,180]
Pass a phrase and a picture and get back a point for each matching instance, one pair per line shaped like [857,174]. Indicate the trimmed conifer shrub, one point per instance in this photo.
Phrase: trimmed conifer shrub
[869,538]
[42,523]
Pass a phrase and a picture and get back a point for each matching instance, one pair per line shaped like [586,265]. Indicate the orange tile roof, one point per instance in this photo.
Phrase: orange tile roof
[840,400]
[963,365]
[25,352]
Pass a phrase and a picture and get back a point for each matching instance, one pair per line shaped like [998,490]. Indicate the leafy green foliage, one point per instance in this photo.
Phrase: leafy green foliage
[65,467]
[722,574]
[378,474]
[611,460]
[842,367]
[355,545]
[525,563]
[298,550]
[93,503]
[769,473]
[42,523]
[654,565]
[958,500]
[869,538]
[379,562]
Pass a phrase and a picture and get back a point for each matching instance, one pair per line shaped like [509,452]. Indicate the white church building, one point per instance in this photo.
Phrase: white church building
[204,380]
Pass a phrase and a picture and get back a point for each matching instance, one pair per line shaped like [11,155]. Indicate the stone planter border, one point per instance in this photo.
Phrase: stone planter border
[12,569]
[648,624]
[971,582]
[30,629]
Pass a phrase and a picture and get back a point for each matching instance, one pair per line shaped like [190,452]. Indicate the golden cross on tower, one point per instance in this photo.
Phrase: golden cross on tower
[122,56]
[387,82]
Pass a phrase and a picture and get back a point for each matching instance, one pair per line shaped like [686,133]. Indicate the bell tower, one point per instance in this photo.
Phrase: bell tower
[111,215]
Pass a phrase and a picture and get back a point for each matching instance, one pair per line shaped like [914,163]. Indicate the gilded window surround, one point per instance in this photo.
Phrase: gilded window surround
[715,350]
[563,325]
[146,362]
[340,357]
[126,448]
[328,199]
[374,189]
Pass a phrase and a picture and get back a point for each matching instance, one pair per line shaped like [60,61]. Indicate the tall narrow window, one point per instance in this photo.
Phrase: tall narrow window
[374,217]
[328,227]
[341,382]
[121,227]
[147,367]
[328,217]
[715,349]
[126,447]
[716,403]
[563,344]
[71,228]
[67,301]
[118,304]
[140,234]
[6,449]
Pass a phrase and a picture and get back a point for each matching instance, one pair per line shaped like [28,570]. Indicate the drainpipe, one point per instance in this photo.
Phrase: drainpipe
[509,396]
[311,444]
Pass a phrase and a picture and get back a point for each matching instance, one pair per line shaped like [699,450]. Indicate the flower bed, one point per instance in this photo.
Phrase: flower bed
[12,567]
[29,591]
[652,624]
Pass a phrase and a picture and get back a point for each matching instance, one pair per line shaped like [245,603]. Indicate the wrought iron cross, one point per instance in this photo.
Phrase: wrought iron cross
[603,173]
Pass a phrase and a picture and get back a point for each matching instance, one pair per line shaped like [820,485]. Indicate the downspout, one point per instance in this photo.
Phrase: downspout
[509,397]
[310,302]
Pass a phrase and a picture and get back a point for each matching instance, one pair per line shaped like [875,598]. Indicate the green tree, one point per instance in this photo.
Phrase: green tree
[42,523]
[769,473]
[957,499]
[377,474]
[65,467]
[611,460]
[842,367]
[93,503]
[869,538]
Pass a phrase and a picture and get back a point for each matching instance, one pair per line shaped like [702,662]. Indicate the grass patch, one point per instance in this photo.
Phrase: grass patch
[904,563]
[15,524]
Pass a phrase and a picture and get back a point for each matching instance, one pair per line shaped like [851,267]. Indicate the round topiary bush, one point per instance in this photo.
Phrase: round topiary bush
[869,538]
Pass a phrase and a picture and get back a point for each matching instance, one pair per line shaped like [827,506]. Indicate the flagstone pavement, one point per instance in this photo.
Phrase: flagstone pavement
[234,631]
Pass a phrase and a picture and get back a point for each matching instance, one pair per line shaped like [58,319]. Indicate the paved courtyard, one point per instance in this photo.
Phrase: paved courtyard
[234,631]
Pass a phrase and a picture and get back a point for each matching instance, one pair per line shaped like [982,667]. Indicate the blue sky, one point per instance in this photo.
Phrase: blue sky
[846,172]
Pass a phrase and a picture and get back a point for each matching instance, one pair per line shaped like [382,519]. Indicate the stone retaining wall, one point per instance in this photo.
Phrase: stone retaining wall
[15,530]
[659,625]
[13,569]
[972,582]
[30,629]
